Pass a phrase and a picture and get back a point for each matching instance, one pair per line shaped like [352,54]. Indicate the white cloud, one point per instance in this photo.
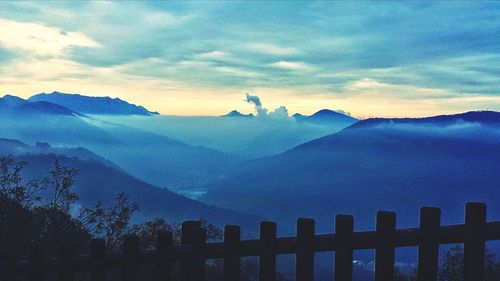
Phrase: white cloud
[291,65]
[212,55]
[40,39]
[234,71]
[365,83]
[271,49]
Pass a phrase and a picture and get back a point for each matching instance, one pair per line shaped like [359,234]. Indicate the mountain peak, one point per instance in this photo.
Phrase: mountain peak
[298,116]
[10,100]
[93,104]
[15,105]
[325,116]
[236,113]
[328,112]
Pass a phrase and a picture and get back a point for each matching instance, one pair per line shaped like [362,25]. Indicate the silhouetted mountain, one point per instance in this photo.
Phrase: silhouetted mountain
[160,160]
[325,116]
[97,180]
[14,105]
[154,158]
[482,117]
[362,169]
[298,116]
[236,113]
[16,148]
[92,105]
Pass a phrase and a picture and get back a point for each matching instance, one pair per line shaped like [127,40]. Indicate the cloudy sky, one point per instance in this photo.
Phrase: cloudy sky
[200,58]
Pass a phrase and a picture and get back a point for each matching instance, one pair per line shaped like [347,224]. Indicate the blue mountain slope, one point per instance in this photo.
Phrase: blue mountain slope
[101,180]
[325,116]
[362,169]
[236,113]
[14,105]
[159,160]
[16,148]
[480,117]
[92,105]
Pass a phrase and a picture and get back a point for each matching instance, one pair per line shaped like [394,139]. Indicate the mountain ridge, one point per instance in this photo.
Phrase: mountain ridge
[100,180]
[10,104]
[92,104]
[378,167]
[325,116]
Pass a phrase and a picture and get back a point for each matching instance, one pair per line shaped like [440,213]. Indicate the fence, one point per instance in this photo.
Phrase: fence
[193,251]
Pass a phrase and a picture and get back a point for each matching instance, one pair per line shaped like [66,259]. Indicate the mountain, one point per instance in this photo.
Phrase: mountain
[325,116]
[236,113]
[15,105]
[298,116]
[97,180]
[160,160]
[92,105]
[479,117]
[157,159]
[373,166]
[15,148]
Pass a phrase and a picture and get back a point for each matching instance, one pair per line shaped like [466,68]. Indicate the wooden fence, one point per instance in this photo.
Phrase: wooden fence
[193,251]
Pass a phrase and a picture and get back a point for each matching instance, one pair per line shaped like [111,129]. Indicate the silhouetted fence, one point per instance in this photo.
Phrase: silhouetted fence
[193,251]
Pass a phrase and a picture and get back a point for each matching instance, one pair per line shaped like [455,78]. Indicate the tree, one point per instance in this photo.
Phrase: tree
[110,223]
[46,223]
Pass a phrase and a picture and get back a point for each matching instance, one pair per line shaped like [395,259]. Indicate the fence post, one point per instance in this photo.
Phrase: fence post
[231,253]
[164,256]
[304,268]
[65,270]
[188,238]
[130,258]
[267,258]
[475,221]
[344,235]
[384,251]
[97,260]
[198,254]
[428,250]
[36,263]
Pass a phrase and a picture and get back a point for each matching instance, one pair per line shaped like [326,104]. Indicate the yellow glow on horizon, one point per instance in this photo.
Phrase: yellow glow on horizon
[209,102]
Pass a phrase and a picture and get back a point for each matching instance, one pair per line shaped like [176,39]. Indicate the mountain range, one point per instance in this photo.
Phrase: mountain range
[14,105]
[157,159]
[92,105]
[375,164]
[100,179]
[316,166]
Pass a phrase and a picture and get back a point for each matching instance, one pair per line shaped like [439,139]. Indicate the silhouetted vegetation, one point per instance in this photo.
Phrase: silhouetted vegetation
[44,213]
[451,267]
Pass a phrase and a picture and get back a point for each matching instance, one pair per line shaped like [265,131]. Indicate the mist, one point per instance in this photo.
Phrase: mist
[246,137]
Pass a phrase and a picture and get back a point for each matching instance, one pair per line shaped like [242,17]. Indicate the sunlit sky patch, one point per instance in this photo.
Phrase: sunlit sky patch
[200,58]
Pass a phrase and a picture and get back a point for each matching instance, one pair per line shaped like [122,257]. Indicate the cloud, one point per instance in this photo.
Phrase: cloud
[271,49]
[212,55]
[279,113]
[41,40]
[255,100]
[322,52]
[291,65]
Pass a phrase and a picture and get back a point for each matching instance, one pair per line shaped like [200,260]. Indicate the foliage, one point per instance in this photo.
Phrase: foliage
[47,220]
[451,267]
[111,223]
[11,186]
[47,223]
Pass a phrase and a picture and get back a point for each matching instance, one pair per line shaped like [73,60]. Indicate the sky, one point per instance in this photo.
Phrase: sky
[370,59]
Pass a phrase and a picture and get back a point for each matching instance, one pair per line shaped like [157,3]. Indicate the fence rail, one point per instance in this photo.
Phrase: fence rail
[193,251]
